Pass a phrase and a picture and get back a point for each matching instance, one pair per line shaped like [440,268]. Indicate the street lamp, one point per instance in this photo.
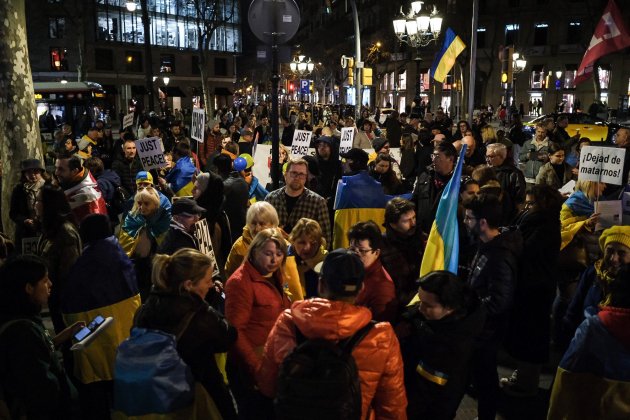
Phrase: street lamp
[518,65]
[418,28]
[302,65]
[131,5]
[558,88]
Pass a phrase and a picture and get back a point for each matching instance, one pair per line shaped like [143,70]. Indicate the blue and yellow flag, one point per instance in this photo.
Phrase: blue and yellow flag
[442,250]
[445,60]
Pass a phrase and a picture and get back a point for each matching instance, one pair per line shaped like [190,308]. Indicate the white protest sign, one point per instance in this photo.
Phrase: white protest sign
[347,137]
[127,121]
[151,153]
[601,164]
[301,142]
[29,245]
[198,123]
[202,233]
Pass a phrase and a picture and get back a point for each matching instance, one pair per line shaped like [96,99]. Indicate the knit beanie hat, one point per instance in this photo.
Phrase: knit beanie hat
[202,181]
[378,143]
[619,234]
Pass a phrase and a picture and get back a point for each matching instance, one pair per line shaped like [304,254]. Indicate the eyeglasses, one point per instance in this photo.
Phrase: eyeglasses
[297,174]
[361,252]
[467,217]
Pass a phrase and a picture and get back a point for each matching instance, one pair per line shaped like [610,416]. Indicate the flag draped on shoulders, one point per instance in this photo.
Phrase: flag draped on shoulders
[445,60]
[610,35]
[359,198]
[442,250]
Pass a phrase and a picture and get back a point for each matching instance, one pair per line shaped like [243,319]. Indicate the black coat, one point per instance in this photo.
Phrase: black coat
[493,276]
[426,195]
[442,347]
[236,192]
[207,334]
[529,333]
[19,212]
[177,238]
[394,131]
[401,257]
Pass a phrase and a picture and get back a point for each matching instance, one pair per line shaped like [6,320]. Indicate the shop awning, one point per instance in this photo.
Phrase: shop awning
[172,91]
[222,91]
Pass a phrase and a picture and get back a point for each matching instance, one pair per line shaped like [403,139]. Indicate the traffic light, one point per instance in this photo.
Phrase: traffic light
[366,76]
[291,87]
[506,65]
[310,86]
[350,71]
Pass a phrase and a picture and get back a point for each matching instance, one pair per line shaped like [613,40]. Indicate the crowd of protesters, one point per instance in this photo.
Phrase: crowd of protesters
[113,239]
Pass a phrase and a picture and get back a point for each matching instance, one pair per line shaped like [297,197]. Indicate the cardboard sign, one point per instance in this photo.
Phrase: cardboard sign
[301,142]
[127,121]
[29,245]
[347,138]
[198,123]
[202,233]
[602,164]
[151,153]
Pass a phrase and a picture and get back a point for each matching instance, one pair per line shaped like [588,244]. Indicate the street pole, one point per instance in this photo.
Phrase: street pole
[148,66]
[357,47]
[416,109]
[473,61]
[275,137]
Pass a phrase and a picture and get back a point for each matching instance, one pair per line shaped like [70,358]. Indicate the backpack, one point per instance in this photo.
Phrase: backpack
[319,380]
[118,202]
[150,377]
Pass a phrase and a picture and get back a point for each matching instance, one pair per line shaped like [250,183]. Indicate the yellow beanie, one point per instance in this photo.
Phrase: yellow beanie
[619,234]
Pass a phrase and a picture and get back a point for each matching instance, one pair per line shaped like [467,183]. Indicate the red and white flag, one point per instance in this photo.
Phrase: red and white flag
[610,35]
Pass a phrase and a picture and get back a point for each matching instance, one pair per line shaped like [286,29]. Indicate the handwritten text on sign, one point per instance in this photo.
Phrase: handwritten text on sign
[127,121]
[197,127]
[301,142]
[347,137]
[151,153]
[202,233]
[601,164]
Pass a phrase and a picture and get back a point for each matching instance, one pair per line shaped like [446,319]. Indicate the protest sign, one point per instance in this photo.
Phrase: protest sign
[29,245]
[601,164]
[301,142]
[347,137]
[198,124]
[202,233]
[127,121]
[151,153]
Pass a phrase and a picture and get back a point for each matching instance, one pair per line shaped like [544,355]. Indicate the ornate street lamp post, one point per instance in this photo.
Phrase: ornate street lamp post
[418,28]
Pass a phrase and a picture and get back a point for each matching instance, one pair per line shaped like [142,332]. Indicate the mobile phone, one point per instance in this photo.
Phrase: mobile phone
[89,329]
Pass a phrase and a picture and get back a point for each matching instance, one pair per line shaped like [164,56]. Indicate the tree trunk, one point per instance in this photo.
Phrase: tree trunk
[208,97]
[19,128]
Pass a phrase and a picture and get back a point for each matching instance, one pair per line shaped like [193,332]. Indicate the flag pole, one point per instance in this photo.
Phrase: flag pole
[473,62]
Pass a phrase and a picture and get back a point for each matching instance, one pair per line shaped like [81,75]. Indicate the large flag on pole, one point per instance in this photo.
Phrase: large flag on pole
[610,35]
[442,250]
[445,60]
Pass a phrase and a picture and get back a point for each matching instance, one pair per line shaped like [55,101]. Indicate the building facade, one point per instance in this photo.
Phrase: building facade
[105,42]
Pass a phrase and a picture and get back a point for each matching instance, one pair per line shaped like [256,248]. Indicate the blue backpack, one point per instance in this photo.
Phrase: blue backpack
[150,377]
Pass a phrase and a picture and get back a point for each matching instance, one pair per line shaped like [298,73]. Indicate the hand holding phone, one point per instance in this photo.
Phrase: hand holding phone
[86,334]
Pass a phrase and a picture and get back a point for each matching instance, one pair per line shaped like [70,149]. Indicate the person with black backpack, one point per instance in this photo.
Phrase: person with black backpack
[326,359]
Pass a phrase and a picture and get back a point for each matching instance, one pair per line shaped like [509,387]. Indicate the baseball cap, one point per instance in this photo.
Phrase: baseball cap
[186,205]
[144,176]
[356,155]
[342,271]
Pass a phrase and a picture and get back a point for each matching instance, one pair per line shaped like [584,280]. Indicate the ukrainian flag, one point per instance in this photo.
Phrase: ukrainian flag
[442,250]
[359,198]
[445,60]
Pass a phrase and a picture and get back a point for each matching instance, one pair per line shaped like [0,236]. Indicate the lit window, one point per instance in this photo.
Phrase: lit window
[604,78]
[56,27]
[402,80]
[58,60]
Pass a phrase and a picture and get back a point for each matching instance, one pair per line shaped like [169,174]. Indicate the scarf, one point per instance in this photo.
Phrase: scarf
[604,279]
[32,189]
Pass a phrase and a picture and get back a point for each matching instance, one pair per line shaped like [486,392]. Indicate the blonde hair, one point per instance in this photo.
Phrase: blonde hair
[589,188]
[488,134]
[171,271]
[148,193]
[262,211]
[262,237]
[309,228]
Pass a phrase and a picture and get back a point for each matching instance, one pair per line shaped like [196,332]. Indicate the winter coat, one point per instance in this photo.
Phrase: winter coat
[236,193]
[437,357]
[493,277]
[177,238]
[426,195]
[361,140]
[394,131]
[401,257]
[127,171]
[108,181]
[548,176]
[19,212]
[180,177]
[378,293]
[309,279]
[377,356]
[529,333]
[513,184]
[208,334]
[330,172]
[529,156]
[252,304]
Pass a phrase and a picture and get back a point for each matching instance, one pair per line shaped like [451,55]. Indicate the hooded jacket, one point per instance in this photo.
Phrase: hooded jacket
[377,356]
[252,304]
[493,277]
[108,181]
[378,293]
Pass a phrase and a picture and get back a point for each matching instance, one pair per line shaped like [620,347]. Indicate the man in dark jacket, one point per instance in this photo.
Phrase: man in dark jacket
[429,185]
[128,166]
[236,193]
[394,129]
[403,246]
[492,277]
[181,233]
[511,179]
[327,155]
[287,131]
